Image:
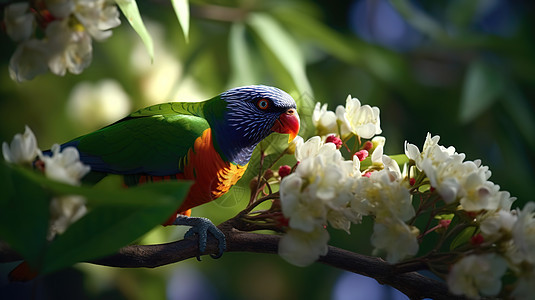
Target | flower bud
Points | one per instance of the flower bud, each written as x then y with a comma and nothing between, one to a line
444,223
368,145
284,171
361,155
335,140
477,239
268,174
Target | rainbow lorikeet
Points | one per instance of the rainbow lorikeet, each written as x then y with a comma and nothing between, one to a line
209,142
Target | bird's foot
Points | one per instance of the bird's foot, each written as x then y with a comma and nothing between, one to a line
201,227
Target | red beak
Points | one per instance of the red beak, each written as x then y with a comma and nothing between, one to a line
288,122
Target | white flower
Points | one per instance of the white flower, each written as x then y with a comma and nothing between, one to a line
383,196
475,274
501,200
342,217
317,185
310,148
303,248
95,105
97,17
316,194
377,155
23,148
524,233
363,121
477,192
66,44
497,225
456,179
396,238
70,49
64,211
305,212
64,165
341,121
19,22
324,120
431,150
29,60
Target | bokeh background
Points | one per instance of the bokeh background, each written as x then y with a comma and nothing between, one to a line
464,70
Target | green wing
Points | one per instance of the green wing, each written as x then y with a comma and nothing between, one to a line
153,141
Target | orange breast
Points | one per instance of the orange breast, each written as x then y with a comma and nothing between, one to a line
212,176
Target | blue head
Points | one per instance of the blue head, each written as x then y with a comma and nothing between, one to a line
252,113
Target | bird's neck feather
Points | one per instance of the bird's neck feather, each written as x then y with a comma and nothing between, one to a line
231,144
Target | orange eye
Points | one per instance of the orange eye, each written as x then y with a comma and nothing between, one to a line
262,104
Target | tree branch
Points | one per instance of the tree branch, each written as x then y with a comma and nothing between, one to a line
412,284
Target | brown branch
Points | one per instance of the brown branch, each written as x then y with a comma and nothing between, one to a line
412,284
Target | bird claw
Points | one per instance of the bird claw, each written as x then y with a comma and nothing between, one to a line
201,227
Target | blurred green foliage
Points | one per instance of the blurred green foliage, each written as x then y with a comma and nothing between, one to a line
464,70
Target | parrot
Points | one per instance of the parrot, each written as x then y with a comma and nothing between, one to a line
208,142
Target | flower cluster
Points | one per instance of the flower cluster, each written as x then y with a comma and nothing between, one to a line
510,235
57,164
456,179
326,189
56,35
505,238
316,193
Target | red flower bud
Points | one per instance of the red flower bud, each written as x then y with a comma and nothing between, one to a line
362,154
368,145
444,223
477,239
335,140
281,220
284,171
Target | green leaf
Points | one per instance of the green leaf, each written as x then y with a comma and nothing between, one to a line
305,108
23,214
94,196
462,238
483,85
240,58
400,159
182,13
131,12
318,34
445,217
116,216
283,46
106,229
419,19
